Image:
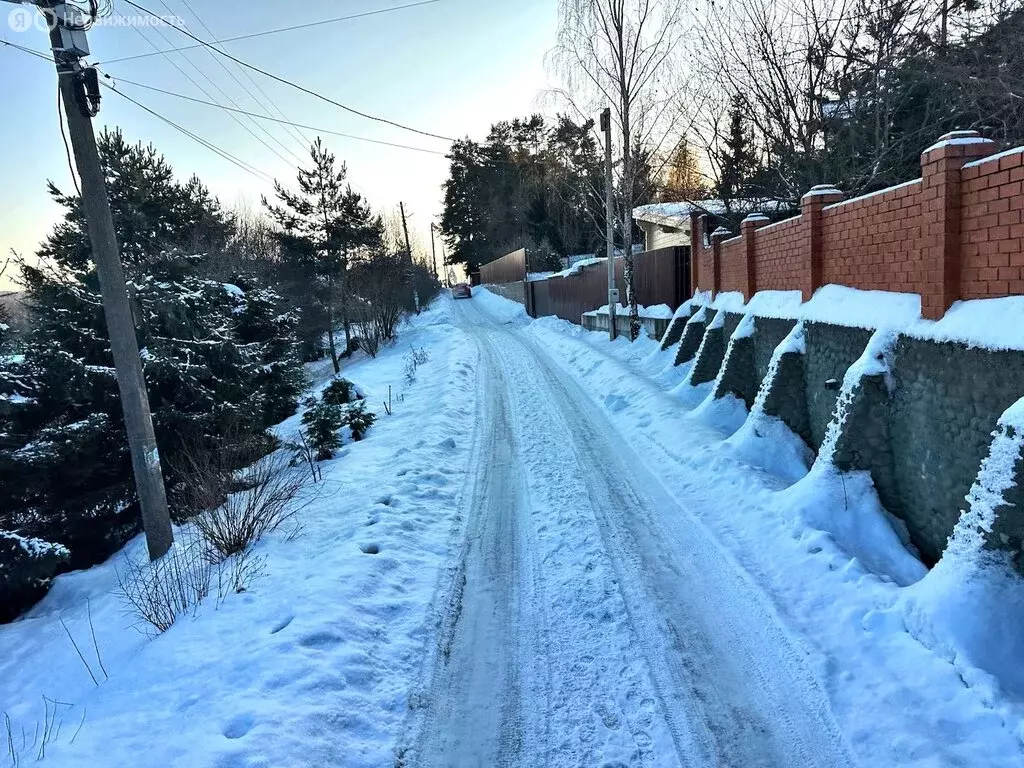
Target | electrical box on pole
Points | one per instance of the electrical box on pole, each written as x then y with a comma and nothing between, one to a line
71,25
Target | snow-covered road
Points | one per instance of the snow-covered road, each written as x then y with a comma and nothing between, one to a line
592,620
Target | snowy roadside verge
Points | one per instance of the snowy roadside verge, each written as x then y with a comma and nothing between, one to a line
310,666
898,701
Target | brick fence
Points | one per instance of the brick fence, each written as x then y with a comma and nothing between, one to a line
955,233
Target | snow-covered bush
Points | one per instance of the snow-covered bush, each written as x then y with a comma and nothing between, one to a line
323,423
26,568
360,419
339,392
413,361
156,593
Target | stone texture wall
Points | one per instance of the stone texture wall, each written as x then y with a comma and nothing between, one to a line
946,402
709,357
831,350
769,333
691,338
737,374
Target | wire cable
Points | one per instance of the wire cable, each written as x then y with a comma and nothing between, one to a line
292,84
276,31
117,79
261,175
67,147
209,95
38,54
292,133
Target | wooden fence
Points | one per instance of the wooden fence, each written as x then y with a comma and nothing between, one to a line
661,277
510,268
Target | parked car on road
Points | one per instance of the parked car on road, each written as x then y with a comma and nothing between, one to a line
462,291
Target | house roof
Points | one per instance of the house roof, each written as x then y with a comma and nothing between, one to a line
678,214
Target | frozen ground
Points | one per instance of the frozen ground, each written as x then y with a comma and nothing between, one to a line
573,569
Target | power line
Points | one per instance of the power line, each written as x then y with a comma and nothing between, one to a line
119,79
261,175
293,84
248,91
38,54
275,31
303,140
210,80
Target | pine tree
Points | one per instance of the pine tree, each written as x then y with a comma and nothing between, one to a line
312,223
218,359
737,161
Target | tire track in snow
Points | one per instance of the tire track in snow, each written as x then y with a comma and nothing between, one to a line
484,672
734,689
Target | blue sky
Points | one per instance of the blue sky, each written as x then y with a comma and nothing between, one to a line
451,67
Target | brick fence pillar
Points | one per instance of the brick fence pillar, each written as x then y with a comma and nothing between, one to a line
696,246
941,165
717,237
811,205
753,222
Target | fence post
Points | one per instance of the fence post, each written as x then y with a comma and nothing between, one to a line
717,237
941,166
811,206
748,226
696,226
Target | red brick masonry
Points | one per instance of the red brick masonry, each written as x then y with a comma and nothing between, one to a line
955,233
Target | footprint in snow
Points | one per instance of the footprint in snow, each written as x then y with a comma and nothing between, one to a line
448,444
281,624
239,726
615,403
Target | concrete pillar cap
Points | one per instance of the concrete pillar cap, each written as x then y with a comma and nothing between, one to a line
755,216
721,232
959,135
822,189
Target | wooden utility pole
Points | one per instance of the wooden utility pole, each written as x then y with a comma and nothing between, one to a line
408,251
609,217
433,253
124,346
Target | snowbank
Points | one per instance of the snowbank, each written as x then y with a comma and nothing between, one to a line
970,608
314,664
500,307
655,312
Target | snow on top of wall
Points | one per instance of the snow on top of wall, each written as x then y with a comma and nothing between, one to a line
534,276
684,309
730,301
841,305
576,267
994,158
717,321
654,312
959,141
996,324
778,304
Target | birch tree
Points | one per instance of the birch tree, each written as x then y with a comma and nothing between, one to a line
622,53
